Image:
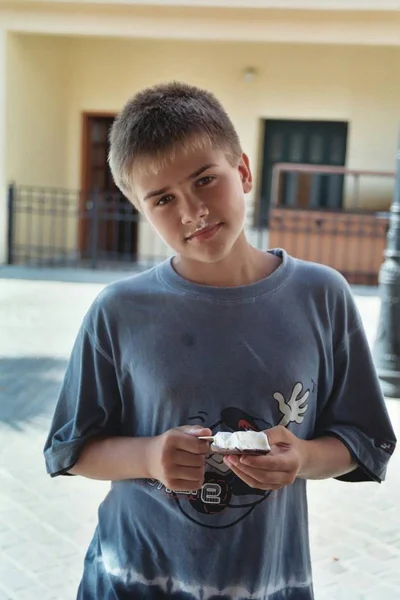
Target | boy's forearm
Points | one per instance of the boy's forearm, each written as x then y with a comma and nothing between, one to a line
114,458
326,457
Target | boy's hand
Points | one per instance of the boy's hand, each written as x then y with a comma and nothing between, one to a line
177,458
278,468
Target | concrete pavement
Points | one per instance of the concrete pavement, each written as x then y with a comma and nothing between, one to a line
46,524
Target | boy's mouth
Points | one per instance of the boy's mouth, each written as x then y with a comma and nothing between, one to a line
204,232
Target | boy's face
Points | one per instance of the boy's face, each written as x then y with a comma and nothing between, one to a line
196,203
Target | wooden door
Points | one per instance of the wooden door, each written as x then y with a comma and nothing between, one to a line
307,142
108,221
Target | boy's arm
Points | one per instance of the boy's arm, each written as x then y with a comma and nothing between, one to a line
114,458
176,458
291,458
324,458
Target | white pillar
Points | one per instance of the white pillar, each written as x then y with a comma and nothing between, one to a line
3,183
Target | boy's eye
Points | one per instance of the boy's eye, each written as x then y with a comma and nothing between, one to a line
164,200
204,180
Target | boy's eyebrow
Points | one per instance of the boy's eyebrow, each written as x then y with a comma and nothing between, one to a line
201,170
191,176
156,193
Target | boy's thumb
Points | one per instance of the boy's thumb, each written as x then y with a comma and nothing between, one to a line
277,435
197,430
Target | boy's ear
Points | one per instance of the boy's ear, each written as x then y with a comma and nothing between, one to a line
245,173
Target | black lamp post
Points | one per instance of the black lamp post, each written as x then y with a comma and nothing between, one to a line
387,345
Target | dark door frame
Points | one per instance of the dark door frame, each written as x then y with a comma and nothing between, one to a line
84,188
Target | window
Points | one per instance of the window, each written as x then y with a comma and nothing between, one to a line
307,142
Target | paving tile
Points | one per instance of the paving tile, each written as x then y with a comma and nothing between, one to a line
5,595
382,591
32,557
13,577
10,538
62,575
39,593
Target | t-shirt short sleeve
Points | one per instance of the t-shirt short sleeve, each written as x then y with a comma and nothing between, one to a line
355,411
89,404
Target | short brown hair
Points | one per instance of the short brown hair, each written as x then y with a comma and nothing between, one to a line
163,118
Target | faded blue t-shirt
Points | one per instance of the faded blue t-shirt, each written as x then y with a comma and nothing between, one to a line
156,351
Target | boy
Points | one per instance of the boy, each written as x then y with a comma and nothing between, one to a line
223,337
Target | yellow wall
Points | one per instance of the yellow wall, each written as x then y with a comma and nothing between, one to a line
36,134
37,109
51,81
347,83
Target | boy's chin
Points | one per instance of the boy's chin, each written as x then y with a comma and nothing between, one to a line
206,257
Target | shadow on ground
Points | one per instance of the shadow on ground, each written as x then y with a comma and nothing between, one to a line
29,388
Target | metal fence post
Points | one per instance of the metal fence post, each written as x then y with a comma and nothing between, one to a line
95,229
10,223
387,345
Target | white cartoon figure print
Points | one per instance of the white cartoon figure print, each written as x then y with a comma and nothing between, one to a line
293,409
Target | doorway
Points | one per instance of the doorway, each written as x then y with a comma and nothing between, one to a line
108,224
306,142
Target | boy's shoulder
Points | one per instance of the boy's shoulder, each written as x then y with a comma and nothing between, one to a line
143,282
319,278
322,287
119,298
326,290
317,275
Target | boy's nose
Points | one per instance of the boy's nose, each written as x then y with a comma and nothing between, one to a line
193,209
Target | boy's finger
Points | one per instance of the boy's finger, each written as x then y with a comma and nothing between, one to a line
190,443
243,471
189,459
262,480
187,473
200,431
251,481
266,463
182,485
196,430
279,435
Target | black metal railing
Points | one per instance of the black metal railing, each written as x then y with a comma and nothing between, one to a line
351,243
61,228
320,213
51,227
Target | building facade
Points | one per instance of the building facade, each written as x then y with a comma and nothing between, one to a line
306,82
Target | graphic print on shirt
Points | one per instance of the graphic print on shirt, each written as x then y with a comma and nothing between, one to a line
223,493
293,410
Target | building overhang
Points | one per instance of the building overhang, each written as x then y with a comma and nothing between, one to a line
197,20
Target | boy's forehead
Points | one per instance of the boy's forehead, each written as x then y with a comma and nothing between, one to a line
174,167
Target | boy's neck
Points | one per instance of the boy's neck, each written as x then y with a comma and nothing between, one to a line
243,266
